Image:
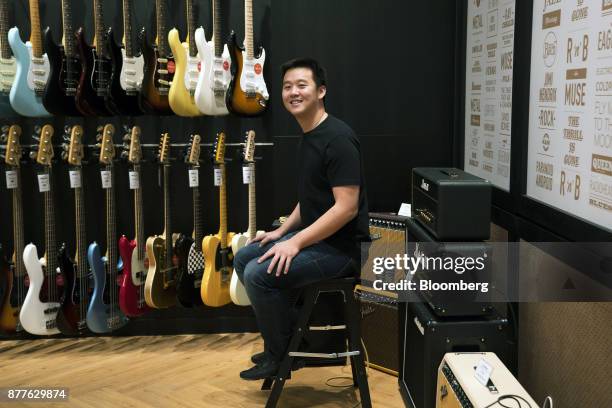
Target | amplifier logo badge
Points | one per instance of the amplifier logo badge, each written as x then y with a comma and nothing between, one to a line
424,185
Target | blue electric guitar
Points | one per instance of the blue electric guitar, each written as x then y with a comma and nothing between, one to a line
7,63
104,314
32,69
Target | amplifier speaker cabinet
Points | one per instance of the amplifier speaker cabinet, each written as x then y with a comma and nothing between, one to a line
426,338
452,204
459,388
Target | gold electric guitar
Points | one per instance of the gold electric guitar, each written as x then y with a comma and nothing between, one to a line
160,286
218,256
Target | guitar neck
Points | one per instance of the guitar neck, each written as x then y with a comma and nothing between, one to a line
248,29
139,216
167,216
35,36
127,28
217,28
100,30
223,208
81,235
5,49
111,225
197,219
162,31
50,239
252,231
18,236
68,39
191,28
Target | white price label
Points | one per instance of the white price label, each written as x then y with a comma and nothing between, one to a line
75,178
217,176
194,178
483,372
11,179
134,180
247,174
43,183
107,182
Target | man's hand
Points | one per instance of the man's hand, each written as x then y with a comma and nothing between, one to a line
266,237
282,253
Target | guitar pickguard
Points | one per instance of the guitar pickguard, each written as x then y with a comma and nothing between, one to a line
214,79
101,75
8,69
132,73
38,72
252,79
69,75
195,265
192,74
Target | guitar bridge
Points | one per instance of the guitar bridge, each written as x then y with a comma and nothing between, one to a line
51,310
51,324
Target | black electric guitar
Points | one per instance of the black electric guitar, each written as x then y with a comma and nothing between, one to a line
65,68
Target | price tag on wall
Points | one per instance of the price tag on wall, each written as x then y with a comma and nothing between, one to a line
75,178
43,183
106,179
217,176
134,180
11,179
247,174
194,178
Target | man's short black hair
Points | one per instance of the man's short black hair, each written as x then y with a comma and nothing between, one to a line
318,72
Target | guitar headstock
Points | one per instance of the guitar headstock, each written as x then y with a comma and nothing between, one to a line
73,148
105,141
11,136
249,147
43,154
193,152
164,149
132,147
219,150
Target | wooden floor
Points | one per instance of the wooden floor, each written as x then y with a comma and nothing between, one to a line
171,371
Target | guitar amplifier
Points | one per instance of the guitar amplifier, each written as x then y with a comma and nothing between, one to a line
426,338
459,388
452,204
388,233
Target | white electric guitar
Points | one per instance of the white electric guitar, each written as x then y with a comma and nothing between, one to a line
39,311
237,291
132,70
8,67
215,76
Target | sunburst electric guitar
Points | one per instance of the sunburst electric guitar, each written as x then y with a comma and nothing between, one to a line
188,250
133,254
237,291
104,314
249,94
8,67
39,311
160,286
188,65
217,249
32,69
15,290
215,76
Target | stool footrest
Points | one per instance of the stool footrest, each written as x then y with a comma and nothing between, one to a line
324,355
328,327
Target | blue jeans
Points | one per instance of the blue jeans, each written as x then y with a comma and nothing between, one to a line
271,296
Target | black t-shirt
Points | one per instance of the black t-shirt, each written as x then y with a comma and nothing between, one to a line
330,156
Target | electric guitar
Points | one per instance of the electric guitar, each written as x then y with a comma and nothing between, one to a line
133,254
159,67
128,69
16,287
188,250
8,67
39,310
160,286
32,69
104,314
218,256
93,91
215,76
237,291
187,61
65,68
249,94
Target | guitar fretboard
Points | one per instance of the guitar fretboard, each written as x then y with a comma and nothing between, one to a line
191,28
5,49
68,39
18,227
217,28
127,28
252,231
35,36
139,216
162,31
197,219
50,240
100,30
248,28
111,239
223,208
81,235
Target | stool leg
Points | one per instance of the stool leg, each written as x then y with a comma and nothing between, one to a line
294,344
351,312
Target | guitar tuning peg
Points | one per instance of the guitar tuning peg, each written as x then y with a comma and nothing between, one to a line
33,154
99,129
3,138
66,138
37,129
124,154
64,155
67,129
5,128
98,137
126,128
127,137
37,138
65,147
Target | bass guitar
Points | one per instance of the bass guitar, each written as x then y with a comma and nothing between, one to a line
237,291
248,94
189,251
71,318
215,76
32,69
187,60
133,254
218,256
16,287
8,67
104,314
39,310
159,67
65,68
160,286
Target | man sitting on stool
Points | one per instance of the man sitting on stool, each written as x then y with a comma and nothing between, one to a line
320,239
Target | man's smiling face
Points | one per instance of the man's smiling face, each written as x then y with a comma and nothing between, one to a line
300,93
